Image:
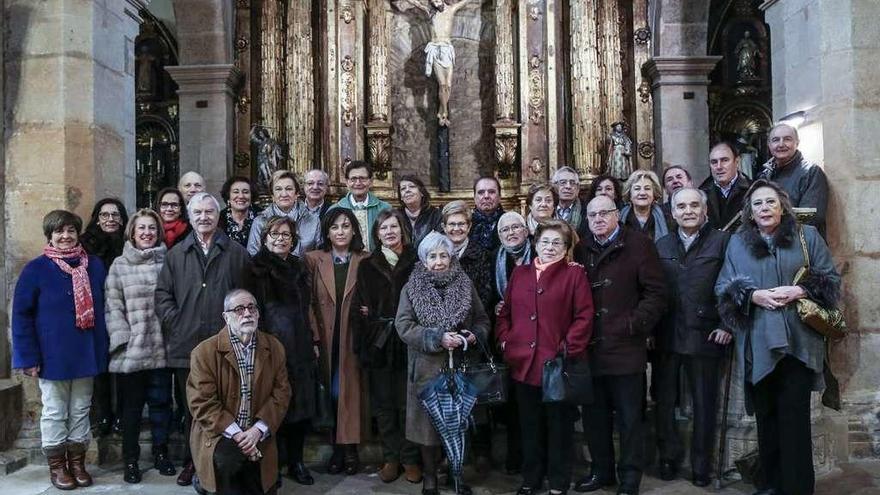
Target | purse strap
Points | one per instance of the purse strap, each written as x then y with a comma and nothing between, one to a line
804,247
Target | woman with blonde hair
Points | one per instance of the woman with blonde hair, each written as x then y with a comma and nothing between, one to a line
642,194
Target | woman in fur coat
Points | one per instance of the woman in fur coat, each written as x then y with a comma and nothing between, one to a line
781,357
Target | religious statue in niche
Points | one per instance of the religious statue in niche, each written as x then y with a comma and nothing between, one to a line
269,154
747,54
145,81
619,152
748,155
439,53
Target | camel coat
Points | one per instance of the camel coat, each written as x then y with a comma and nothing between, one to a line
212,392
349,414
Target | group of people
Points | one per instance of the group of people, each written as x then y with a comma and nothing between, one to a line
261,326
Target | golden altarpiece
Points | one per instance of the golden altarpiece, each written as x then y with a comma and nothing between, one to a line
537,84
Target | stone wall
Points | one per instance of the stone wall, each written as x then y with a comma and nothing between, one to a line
825,63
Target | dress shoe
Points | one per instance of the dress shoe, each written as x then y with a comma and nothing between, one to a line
592,483
300,473
526,490
412,473
701,480
132,473
390,471
186,474
668,470
59,475
76,464
337,461
352,461
161,461
558,492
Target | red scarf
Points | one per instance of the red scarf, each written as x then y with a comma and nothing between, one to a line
82,289
173,230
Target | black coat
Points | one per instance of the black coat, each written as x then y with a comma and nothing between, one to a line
428,221
282,289
478,264
378,288
691,314
722,210
629,295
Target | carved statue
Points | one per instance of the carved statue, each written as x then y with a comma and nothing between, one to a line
748,156
619,152
439,53
747,54
146,71
269,156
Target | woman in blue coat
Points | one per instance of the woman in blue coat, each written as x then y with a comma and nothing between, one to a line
59,337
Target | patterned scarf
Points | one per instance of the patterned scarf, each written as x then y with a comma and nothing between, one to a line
82,290
523,251
244,355
440,300
483,228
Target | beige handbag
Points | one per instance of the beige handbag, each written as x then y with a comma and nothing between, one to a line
828,322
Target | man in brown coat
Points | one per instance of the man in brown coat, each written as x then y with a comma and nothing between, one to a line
629,295
238,393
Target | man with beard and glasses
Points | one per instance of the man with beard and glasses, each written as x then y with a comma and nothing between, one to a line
197,274
238,393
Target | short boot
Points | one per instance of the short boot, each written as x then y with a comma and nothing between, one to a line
161,461
390,471
412,473
76,463
59,475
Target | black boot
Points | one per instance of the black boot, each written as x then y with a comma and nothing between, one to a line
161,461
300,473
132,472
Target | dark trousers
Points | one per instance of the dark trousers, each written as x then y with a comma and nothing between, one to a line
291,442
617,396
702,379
180,377
782,411
234,473
151,387
388,402
547,438
102,398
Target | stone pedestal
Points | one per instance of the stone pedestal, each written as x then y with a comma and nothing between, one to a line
825,64
207,112
681,112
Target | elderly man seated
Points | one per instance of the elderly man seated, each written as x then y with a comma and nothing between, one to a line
238,394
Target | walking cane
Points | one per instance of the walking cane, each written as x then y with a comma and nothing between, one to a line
722,443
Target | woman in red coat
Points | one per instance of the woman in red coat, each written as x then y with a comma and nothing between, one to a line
548,308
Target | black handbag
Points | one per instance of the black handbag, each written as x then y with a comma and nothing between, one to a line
567,380
490,378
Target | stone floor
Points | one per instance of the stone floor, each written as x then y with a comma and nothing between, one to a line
856,478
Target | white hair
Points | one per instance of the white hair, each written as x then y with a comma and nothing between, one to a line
433,241
232,294
564,170
703,198
509,215
324,176
198,198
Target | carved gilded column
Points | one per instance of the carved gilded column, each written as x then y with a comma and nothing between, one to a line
350,46
611,60
378,129
506,125
300,101
272,67
533,55
586,104
643,134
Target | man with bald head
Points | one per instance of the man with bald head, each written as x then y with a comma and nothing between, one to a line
690,336
629,295
803,180
189,184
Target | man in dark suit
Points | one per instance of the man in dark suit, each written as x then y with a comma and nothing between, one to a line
725,188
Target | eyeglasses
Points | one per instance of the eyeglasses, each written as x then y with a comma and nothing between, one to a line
358,179
283,235
511,228
566,182
555,244
457,225
600,213
172,206
105,215
240,309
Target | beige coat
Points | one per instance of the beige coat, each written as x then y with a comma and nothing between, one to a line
212,392
350,416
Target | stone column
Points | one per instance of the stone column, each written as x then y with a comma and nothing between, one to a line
681,111
207,111
69,115
825,64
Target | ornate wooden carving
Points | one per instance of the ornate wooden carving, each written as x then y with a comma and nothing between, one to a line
347,90
611,58
300,103
536,89
378,61
587,132
272,67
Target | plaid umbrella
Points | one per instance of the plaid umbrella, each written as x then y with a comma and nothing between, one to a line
448,399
